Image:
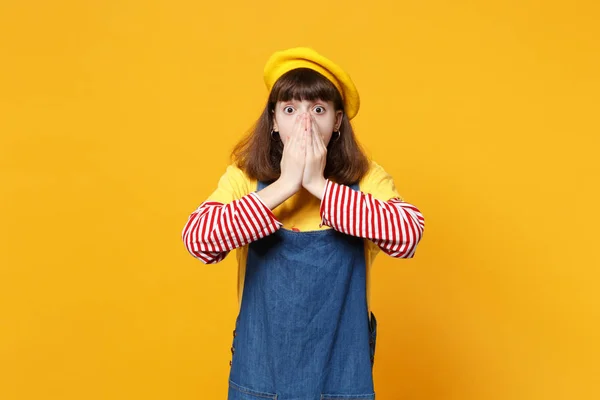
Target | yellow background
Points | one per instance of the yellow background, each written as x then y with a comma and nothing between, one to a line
116,121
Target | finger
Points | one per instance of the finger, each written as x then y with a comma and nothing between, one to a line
304,144
295,142
302,127
309,139
314,125
299,127
313,120
300,148
322,149
297,146
313,135
295,124
299,137
306,125
316,135
318,140
290,141
322,145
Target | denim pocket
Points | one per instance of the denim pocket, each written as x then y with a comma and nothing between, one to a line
366,396
372,336
239,392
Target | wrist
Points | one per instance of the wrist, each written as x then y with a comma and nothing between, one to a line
317,188
285,188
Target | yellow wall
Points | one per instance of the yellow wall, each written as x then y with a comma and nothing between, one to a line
116,121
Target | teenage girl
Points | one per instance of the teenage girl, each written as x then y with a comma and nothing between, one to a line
307,212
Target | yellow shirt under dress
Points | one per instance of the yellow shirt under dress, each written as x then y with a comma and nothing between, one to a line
302,211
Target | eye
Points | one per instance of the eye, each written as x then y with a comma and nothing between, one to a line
319,109
288,109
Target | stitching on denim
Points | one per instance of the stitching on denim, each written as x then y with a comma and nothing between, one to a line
366,396
251,392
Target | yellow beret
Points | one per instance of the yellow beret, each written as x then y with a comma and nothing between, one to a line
304,57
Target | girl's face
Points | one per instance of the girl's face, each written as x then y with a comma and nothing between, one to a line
328,120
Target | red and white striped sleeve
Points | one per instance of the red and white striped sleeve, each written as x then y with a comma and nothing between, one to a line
394,225
214,229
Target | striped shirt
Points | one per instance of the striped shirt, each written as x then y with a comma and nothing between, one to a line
234,216
214,229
